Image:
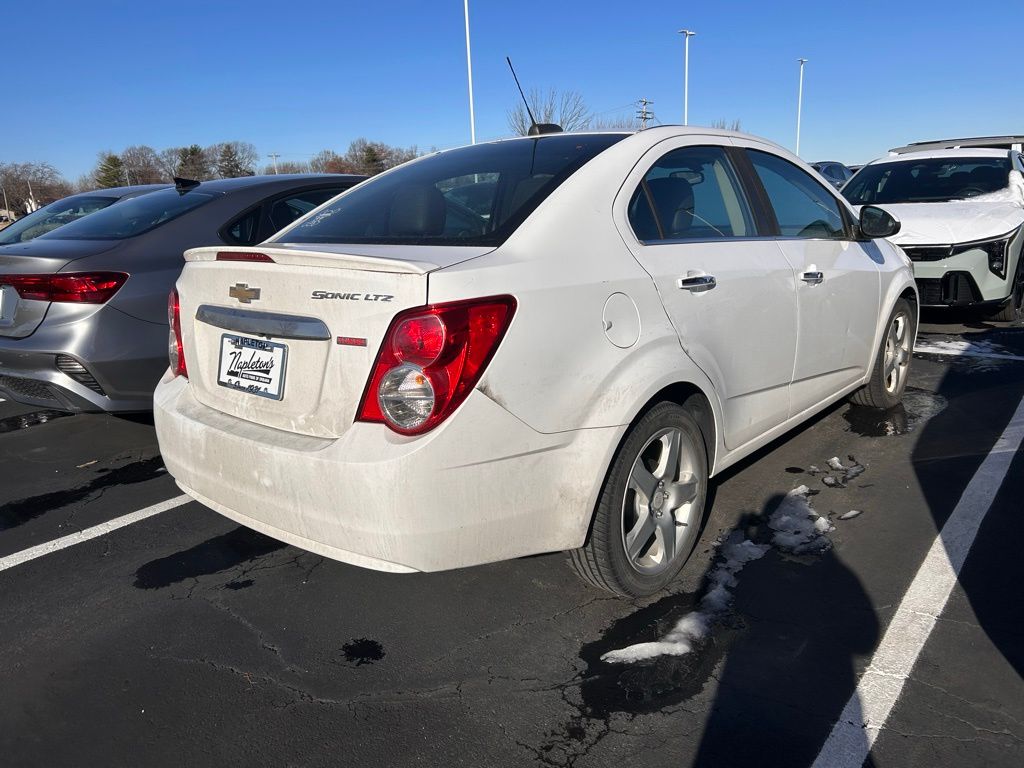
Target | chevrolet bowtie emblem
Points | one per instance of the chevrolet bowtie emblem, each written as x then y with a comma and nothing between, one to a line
244,293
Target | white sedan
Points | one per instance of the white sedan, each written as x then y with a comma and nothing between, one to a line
538,344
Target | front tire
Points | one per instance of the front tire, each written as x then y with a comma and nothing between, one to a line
651,506
884,389
1011,310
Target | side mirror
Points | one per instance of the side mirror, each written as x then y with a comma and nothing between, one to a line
877,222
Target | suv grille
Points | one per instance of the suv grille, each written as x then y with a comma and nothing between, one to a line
952,289
928,252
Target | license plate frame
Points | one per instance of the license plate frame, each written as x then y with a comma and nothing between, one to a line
249,374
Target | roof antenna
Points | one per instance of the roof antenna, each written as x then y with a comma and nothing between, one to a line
536,129
184,185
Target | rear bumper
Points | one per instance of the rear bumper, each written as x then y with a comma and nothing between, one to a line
123,358
482,487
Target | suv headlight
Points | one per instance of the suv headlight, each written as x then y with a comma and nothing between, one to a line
997,249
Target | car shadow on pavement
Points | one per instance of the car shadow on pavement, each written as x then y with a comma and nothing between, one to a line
792,666
983,398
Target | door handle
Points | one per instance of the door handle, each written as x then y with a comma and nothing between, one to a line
697,283
813,277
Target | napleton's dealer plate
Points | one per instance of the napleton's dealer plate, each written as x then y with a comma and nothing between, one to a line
252,365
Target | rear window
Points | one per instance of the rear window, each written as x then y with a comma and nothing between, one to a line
935,180
132,217
475,195
52,216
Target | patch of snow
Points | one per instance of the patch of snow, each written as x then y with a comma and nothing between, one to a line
850,515
1012,193
798,529
734,553
984,349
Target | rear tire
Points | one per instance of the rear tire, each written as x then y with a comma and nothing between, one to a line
889,374
651,506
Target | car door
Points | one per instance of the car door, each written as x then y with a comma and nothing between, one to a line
729,293
837,279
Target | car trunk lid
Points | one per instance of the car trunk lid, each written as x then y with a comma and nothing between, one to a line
316,315
19,317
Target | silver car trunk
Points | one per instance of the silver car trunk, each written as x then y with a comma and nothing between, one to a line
329,308
20,317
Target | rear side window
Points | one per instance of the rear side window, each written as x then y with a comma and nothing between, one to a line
803,207
132,217
475,195
53,216
284,212
690,194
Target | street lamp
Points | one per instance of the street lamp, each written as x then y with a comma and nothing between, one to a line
687,34
469,68
799,104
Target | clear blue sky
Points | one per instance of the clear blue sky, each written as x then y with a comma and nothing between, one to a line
302,76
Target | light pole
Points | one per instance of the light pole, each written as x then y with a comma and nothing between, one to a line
687,34
469,68
799,104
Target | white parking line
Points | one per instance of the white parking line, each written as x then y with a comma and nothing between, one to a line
90,533
867,710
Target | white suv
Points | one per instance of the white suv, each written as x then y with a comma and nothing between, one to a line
961,211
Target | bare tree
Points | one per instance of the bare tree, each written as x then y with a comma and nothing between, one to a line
25,182
566,108
287,166
733,126
329,161
622,123
141,165
167,159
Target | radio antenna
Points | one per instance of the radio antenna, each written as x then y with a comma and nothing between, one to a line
536,129
526,104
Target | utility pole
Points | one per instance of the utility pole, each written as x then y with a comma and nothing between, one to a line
643,115
688,33
799,104
469,68
127,180
274,156
7,206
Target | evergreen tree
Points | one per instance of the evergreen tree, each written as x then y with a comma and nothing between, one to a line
110,171
229,164
192,163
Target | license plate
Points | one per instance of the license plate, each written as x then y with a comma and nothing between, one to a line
252,365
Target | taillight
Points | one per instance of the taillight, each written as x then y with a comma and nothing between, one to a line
72,287
431,359
175,351
243,256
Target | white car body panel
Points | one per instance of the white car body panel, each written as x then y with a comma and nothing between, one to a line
599,331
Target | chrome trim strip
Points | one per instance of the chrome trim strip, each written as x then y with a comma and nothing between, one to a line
268,324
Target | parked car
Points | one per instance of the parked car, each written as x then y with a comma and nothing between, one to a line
69,209
83,309
962,212
394,386
835,173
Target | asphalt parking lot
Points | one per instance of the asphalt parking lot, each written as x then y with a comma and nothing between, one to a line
183,639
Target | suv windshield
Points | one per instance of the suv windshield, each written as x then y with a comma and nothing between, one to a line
52,216
475,195
935,180
132,217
